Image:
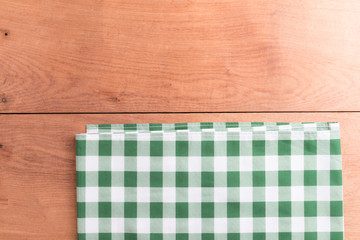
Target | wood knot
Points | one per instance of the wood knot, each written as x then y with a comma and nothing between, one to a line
5,32
115,99
1,145
4,100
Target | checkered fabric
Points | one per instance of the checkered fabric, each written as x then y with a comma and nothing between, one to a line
210,181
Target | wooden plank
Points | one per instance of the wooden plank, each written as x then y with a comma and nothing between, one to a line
37,164
179,56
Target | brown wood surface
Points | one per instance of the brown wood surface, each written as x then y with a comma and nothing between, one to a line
37,164
179,56
136,56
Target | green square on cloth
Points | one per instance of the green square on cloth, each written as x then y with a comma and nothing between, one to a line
210,181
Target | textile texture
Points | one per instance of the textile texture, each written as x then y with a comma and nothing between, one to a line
210,181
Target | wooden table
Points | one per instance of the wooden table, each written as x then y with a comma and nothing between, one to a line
65,64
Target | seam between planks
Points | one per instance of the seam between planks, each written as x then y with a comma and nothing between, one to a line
215,112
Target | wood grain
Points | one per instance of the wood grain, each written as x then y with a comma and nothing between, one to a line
37,164
179,56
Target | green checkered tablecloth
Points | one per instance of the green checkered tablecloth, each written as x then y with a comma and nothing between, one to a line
210,181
